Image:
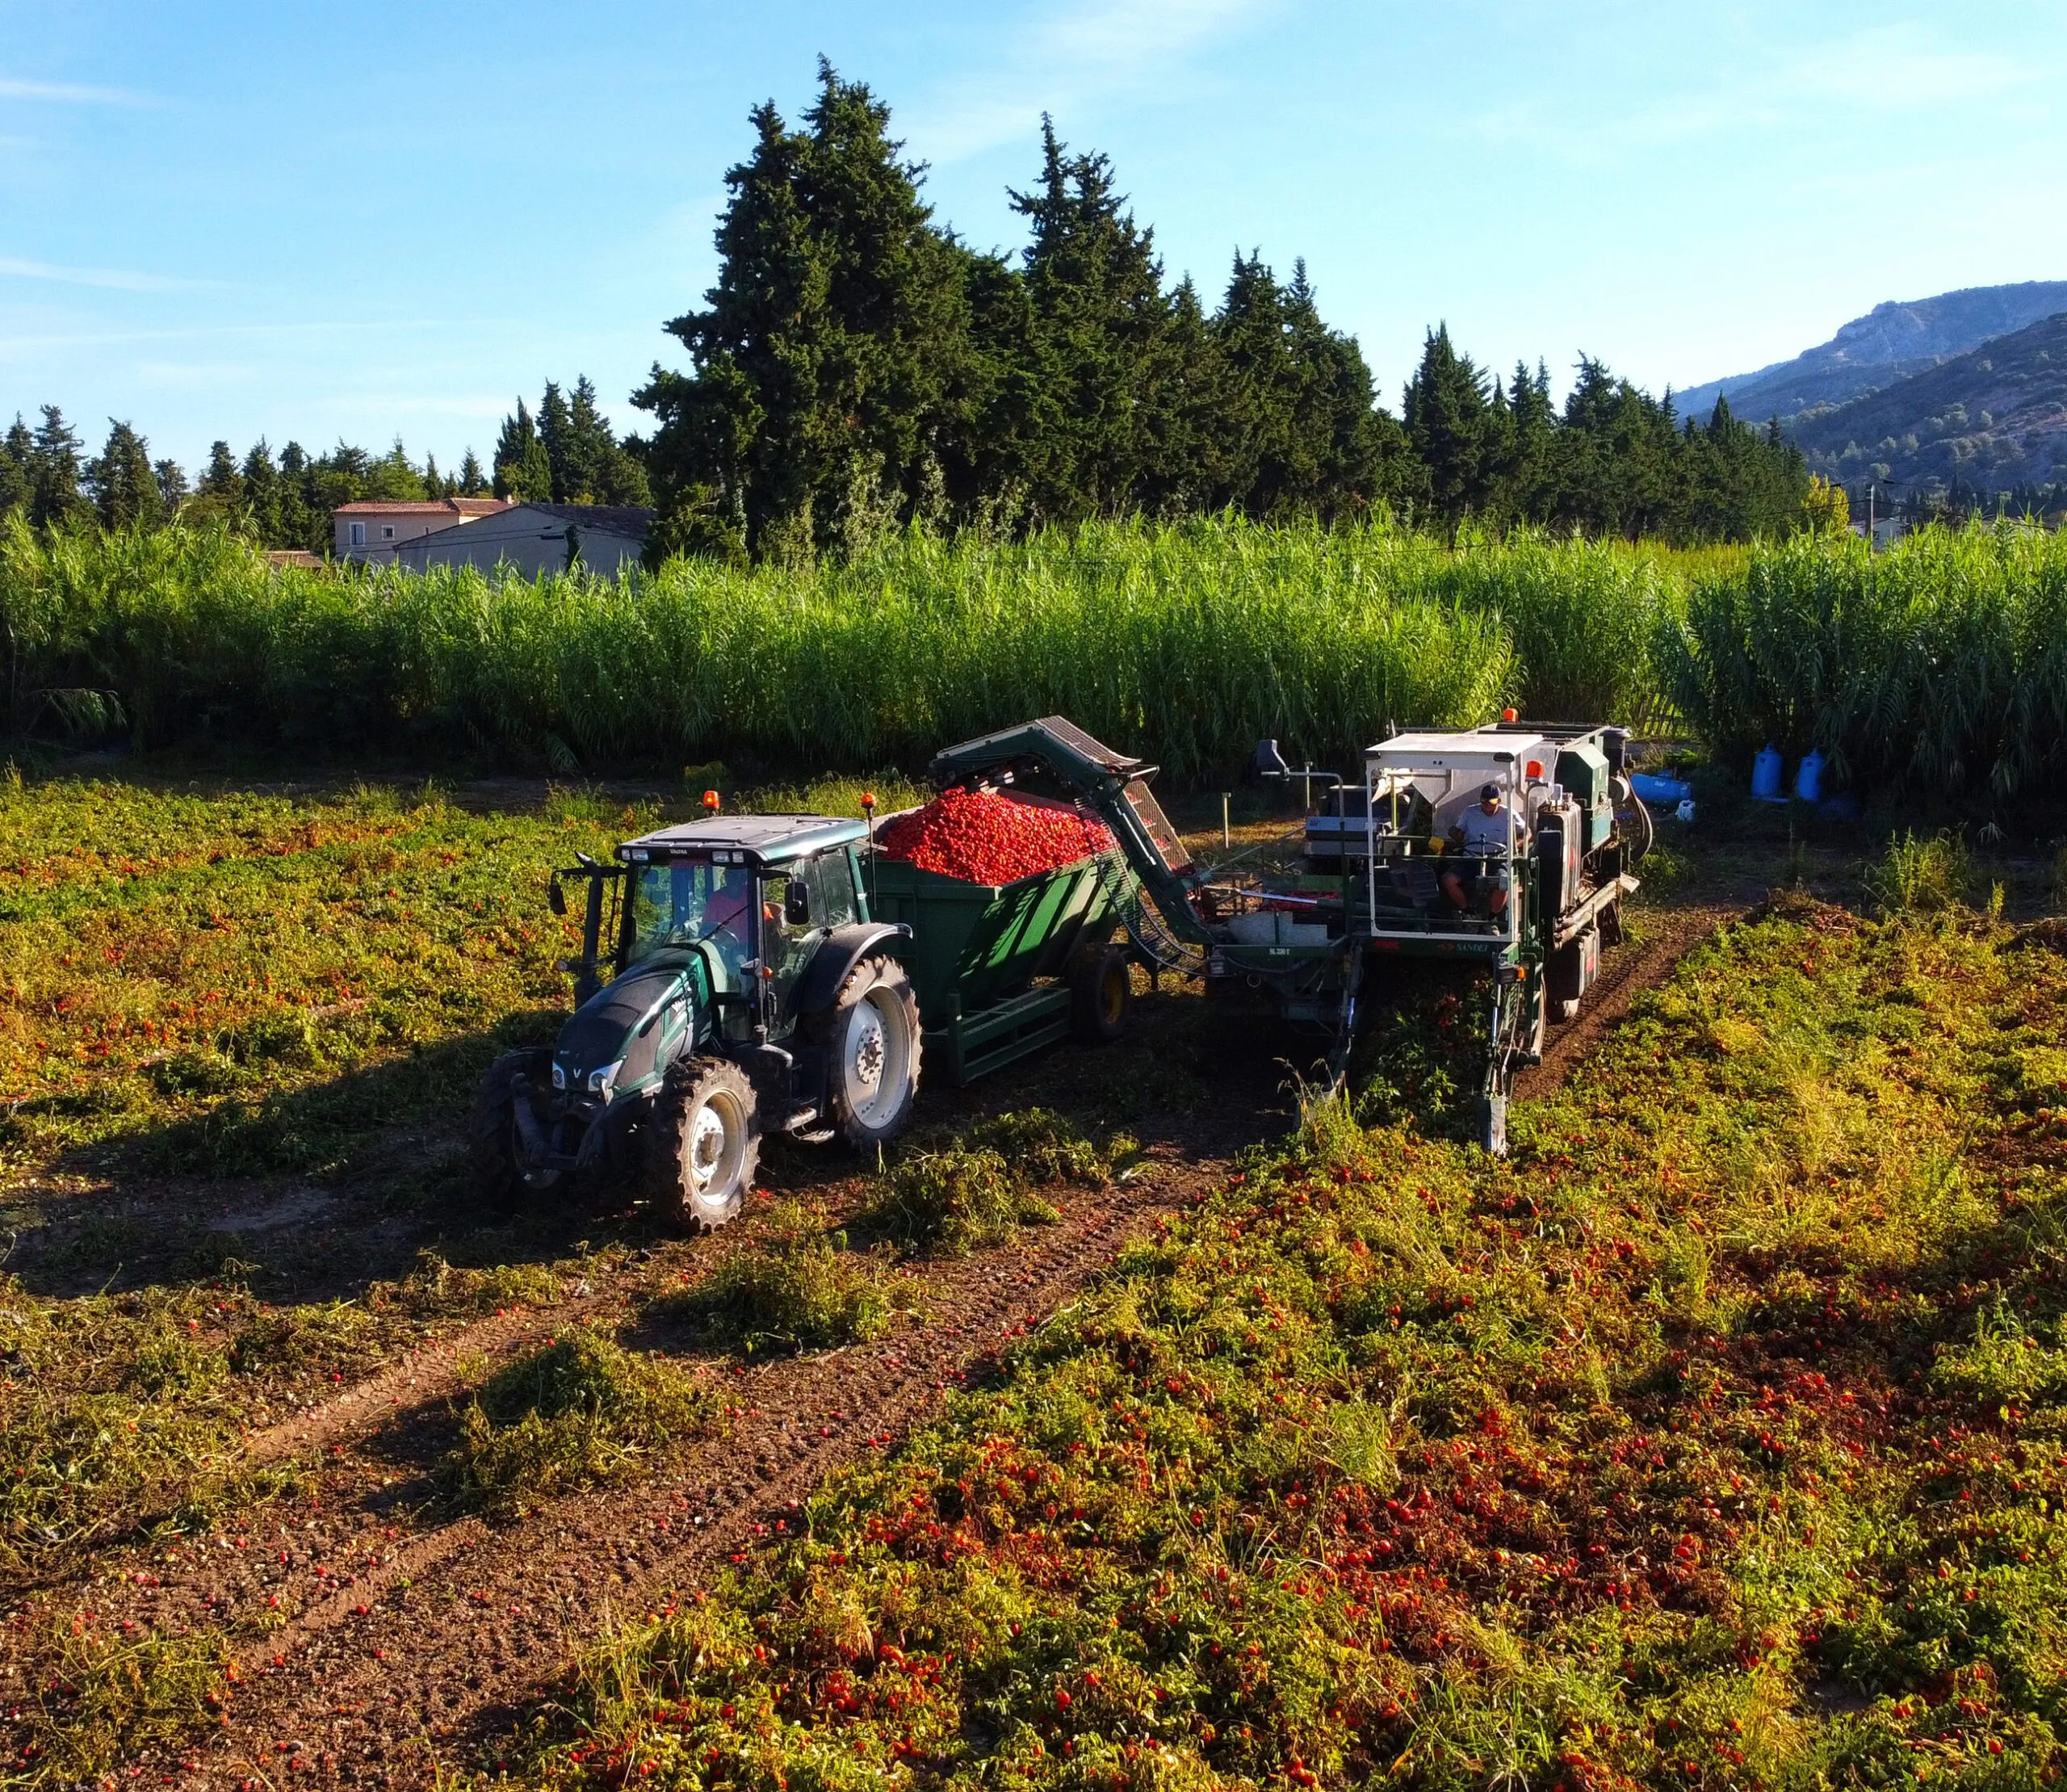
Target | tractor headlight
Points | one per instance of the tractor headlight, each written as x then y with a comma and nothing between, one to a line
558,1075
601,1081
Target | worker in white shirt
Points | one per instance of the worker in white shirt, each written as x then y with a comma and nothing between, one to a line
1482,836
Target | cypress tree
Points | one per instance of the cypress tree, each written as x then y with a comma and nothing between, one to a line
831,362
556,431
523,470
1102,338
303,522
264,489
55,500
17,469
173,490
1447,423
124,489
221,482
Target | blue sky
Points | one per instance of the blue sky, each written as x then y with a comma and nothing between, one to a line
322,222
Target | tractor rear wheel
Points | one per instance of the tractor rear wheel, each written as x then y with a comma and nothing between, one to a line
871,1034
703,1143
502,1167
1101,994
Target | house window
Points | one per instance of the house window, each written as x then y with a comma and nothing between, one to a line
357,535
387,532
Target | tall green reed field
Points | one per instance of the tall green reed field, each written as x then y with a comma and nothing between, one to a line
1189,641
1939,664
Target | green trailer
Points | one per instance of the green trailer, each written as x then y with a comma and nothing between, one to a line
1003,970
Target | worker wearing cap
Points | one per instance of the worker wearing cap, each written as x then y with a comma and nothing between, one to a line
1484,832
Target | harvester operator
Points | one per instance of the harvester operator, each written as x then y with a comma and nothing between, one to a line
1483,835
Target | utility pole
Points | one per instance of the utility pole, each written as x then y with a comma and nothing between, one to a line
1869,515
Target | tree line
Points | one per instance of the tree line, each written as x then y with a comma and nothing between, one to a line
567,453
858,369
857,366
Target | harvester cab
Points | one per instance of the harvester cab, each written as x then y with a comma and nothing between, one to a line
750,993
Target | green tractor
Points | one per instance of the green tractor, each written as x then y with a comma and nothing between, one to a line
750,993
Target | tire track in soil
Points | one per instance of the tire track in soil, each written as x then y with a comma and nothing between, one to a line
428,1658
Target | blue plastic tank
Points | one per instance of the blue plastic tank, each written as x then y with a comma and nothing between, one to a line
1766,775
1808,778
1664,792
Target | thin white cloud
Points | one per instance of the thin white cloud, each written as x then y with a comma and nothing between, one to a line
1089,51
1888,69
120,279
68,93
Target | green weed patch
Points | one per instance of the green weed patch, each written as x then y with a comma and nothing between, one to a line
800,1289
954,1196
581,1412
1715,1439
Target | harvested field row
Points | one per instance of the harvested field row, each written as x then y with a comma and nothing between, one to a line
1714,1440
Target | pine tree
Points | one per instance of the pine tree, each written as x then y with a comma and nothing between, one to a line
472,481
1103,329
522,469
832,360
173,489
264,489
55,499
556,431
1447,422
393,477
124,488
17,469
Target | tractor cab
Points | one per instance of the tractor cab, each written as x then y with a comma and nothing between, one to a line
761,892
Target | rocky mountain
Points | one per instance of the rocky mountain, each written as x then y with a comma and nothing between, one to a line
1993,418
1893,342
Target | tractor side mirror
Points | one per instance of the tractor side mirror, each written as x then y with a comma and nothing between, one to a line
555,897
1270,762
796,904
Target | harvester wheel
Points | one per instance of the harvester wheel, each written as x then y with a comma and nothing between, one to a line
1101,994
501,1166
871,1032
703,1143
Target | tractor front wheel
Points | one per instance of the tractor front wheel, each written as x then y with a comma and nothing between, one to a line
502,1165
703,1143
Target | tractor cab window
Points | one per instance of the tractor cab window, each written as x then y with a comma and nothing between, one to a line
830,878
688,900
791,926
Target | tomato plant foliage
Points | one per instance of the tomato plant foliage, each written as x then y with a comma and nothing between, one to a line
1715,1439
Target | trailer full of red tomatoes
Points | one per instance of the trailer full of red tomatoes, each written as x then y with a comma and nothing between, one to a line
981,837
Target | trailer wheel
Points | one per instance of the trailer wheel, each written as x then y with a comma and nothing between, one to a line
703,1143
872,1034
1101,994
502,1168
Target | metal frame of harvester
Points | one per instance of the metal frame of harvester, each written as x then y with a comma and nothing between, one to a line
1304,946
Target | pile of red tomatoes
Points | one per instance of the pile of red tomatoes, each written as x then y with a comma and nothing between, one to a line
982,837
